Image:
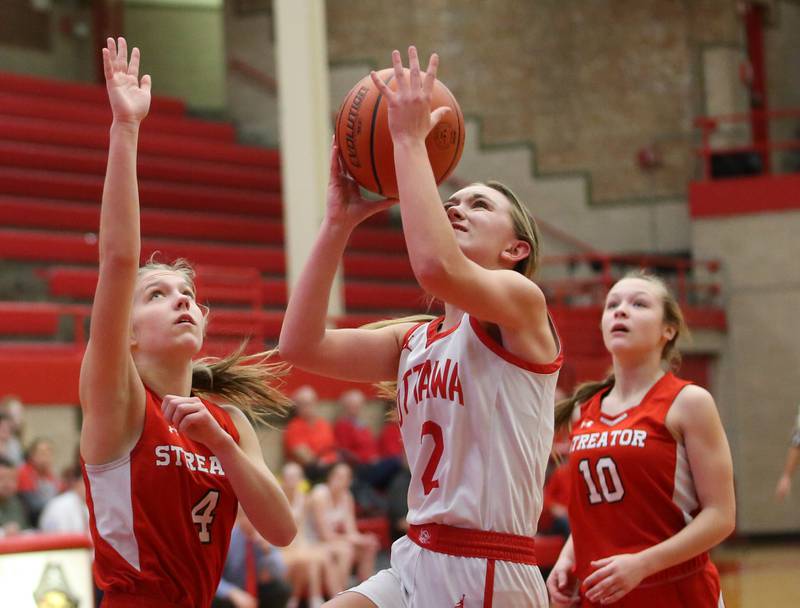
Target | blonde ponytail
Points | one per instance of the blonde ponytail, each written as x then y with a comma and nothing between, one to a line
246,381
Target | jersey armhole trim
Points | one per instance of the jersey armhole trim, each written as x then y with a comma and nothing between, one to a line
537,368
410,333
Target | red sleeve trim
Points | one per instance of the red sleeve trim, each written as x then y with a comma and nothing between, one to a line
537,368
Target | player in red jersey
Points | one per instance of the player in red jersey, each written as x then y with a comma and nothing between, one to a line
164,469
652,480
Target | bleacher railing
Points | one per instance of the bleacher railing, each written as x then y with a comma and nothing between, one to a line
730,138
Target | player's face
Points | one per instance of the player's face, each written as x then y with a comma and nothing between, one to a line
481,219
633,318
165,315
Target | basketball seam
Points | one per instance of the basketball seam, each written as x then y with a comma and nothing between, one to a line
372,137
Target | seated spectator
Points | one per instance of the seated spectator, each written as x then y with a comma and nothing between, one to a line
333,519
308,439
307,561
390,441
67,512
254,572
38,482
10,447
13,516
11,406
397,502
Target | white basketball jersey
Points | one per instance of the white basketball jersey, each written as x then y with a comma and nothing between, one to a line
477,426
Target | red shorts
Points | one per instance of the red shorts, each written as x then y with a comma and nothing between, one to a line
698,590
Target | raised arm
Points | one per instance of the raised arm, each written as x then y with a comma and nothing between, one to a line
500,296
111,393
353,354
694,417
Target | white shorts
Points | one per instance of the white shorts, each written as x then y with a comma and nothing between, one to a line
419,578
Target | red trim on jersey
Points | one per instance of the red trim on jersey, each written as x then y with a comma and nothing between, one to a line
679,571
465,542
409,333
488,588
497,349
434,333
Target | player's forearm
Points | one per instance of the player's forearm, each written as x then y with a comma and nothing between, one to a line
431,244
119,212
711,526
259,493
304,321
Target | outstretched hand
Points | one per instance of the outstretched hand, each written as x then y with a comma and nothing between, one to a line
345,204
410,116
129,98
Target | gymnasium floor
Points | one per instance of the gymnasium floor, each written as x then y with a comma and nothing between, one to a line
760,574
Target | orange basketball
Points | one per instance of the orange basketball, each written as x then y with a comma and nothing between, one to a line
365,144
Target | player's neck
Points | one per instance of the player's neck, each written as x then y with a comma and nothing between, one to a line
633,378
165,377
452,317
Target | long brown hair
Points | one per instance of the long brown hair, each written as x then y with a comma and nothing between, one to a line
673,317
525,228
246,381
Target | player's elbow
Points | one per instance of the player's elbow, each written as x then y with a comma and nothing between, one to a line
284,535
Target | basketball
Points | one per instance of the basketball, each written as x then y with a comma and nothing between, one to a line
365,143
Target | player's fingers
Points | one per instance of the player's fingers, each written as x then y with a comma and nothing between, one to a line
413,67
430,74
438,114
168,405
146,83
399,74
122,54
596,577
108,70
133,66
382,87
189,421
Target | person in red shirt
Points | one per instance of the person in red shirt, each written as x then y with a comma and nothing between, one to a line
308,439
390,440
358,446
165,468
651,472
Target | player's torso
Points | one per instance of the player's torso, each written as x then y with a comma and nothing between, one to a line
162,516
477,427
630,481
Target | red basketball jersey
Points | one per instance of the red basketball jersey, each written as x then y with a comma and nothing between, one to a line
161,517
631,486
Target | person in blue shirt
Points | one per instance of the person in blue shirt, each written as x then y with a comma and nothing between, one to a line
254,572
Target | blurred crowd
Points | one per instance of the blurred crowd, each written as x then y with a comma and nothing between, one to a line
346,483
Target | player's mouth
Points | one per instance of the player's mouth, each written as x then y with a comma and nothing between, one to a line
185,318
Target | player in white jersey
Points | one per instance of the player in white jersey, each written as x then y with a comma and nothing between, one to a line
475,387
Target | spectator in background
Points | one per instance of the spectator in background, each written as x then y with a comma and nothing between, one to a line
38,482
333,519
308,561
357,446
390,440
308,439
13,516
10,447
67,512
254,572
397,502
792,460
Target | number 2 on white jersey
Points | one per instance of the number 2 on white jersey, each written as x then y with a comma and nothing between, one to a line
435,431
203,515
